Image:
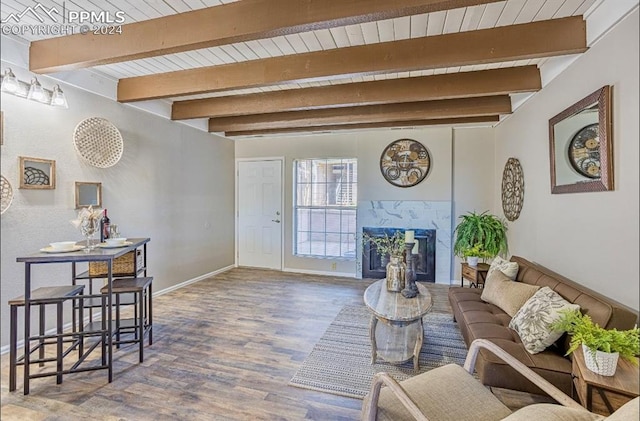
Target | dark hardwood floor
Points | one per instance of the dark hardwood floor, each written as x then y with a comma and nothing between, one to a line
224,349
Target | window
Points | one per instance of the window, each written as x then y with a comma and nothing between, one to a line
326,194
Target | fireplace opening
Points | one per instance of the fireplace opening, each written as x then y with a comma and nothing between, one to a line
374,264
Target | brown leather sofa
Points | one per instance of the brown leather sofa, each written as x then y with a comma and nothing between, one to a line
480,320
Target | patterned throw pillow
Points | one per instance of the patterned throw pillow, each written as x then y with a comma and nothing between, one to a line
534,319
510,269
505,293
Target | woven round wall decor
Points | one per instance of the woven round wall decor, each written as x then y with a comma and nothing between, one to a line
98,142
7,193
512,189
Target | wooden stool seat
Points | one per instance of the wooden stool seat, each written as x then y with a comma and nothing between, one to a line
49,294
124,285
142,322
40,297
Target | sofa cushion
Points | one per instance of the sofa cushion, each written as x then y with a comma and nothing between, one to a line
510,269
534,319
505,293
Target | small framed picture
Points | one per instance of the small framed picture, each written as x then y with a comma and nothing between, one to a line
37,173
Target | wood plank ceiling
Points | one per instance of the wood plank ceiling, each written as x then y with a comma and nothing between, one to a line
256,67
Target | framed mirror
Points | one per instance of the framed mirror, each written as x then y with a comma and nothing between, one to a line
580,145
37,173
88,194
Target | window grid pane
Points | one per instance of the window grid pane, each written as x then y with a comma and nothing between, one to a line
325,207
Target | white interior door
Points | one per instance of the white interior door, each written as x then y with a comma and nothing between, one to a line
260,214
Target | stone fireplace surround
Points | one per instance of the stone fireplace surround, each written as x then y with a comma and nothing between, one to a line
410,214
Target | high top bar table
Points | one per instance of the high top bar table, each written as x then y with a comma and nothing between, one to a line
106,255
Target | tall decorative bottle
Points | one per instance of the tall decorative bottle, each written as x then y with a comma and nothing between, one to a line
104,227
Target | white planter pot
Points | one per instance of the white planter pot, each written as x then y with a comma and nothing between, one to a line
603,363
472,261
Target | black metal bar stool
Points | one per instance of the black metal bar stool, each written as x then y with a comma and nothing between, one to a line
40,298
142,322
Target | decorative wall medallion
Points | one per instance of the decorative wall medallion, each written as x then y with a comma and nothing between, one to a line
98,142
405,163
7,193
584,151
512,189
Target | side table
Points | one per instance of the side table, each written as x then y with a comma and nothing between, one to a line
612,391
475,275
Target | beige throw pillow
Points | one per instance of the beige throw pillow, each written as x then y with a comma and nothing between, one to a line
510,269
533,321
505,293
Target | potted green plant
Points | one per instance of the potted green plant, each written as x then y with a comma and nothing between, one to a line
480,235
601,347
474,253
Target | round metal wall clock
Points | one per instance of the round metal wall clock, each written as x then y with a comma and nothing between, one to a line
584,151
512,189
405,163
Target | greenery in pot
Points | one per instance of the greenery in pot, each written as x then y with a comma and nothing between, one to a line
391,245
584,331
483,233
476,251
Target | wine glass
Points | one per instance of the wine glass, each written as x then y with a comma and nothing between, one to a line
88,228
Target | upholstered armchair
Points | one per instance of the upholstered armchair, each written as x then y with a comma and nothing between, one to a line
451,393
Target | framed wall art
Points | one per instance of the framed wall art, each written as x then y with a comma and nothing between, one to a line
580,145
37,173
88,194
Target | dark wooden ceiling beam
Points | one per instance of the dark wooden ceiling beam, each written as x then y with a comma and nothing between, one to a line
364,126
425,88
204,28
506,43
448,108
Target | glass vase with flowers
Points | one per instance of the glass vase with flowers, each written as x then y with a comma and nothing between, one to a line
393,247
88,222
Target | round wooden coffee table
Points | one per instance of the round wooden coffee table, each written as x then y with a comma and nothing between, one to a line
400,335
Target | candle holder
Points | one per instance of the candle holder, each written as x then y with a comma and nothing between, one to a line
410,290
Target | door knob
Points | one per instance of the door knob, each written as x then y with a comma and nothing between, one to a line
277,221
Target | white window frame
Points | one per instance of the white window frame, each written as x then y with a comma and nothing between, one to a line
296,207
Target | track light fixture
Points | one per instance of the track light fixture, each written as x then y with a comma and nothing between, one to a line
33,91
57,98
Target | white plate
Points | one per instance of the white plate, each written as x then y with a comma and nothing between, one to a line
51,250
107,246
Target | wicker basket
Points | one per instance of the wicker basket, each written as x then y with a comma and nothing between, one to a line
124,265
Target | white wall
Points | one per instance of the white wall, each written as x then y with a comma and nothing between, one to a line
591,238
474,178
173,184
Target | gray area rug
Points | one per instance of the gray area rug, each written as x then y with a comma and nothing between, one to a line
340,363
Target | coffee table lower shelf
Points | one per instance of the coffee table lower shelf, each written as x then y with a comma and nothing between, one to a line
396,343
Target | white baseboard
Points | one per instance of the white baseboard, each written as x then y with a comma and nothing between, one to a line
193,280
320,272
97,315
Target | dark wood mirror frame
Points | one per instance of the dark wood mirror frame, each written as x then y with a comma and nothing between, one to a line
602,99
